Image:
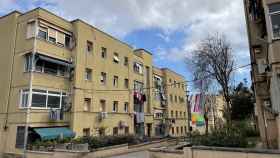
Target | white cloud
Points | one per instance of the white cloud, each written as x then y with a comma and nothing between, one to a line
196,18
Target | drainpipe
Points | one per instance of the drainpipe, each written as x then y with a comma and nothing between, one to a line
30,92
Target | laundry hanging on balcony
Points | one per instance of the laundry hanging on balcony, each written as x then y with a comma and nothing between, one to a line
139,98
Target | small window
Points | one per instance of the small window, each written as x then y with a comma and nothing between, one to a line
24,98
86,132
170,81
115,81
182,129
184,114
20,137
176,114
126,107
67,40
102,105
172,129
181,113
43,33
30,29
88,74
87,104
115,106
103,52
125,61
174,84
171,98
177,130
103,78
126,83
171,113
185,129
89,46
138,68
275,19
175,98
115,131
116,58
52,35
126,130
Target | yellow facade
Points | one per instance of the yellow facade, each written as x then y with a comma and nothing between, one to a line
82,69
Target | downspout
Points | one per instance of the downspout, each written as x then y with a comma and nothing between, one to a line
30,91
11,79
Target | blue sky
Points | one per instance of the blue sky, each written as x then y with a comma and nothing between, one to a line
168,29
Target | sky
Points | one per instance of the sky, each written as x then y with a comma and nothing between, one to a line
170,29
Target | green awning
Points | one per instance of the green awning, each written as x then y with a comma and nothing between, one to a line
54,133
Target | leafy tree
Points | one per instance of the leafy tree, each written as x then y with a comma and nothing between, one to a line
242,103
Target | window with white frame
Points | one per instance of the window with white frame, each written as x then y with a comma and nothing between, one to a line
138,68
115,81
116,58
43,99
115,106
103,78
87,104
126,107
88,74
274,14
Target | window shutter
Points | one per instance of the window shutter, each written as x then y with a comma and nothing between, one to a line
52,33
60,38
30,29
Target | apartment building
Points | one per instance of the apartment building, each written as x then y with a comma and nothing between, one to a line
263,25
69,79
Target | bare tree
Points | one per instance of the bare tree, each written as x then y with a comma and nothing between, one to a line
213,60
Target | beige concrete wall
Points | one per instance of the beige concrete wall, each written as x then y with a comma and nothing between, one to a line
189,152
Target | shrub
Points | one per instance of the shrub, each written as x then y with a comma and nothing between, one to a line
223,137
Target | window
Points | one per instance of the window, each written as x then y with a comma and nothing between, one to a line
184,114
102,105
182,129
138,68
138,86
89,46
67,40
116,58
60,38
275,19
86,132
177,130
170,81
115,81
115,131
125,61
20,137
88,73
126,130
171,98
53,99
126,83
52,35
183,86
185,129
30,29
181,113
103,78
87,104
43,33
115,106
174,84
175,98
171,113
176,114
43,99
103,52
172,129
126,107
24,98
